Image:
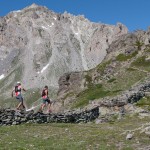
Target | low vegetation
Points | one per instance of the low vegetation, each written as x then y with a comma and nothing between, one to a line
93,92
124,57
101,67
144,102
142,62
106,136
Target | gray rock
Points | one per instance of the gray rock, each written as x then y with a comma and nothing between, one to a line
129,136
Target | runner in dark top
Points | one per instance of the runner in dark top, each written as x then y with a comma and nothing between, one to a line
17,90
45,99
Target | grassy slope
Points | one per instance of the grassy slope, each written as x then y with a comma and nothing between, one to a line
130,70
107,136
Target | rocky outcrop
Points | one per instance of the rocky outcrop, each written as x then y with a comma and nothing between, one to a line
11,117
70,82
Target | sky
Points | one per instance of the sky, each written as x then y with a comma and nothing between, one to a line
135,14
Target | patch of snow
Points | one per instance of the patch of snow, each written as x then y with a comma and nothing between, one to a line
17,11
49,26
44,27
76,33
15,15
2,76
38,72
55,18
44,68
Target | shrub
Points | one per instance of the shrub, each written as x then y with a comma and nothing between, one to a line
88,78
139,44
123,57
141,62
101,67
111,80
131,69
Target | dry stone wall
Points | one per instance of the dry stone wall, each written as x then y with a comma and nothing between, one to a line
12,117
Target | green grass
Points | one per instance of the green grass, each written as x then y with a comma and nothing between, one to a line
124,80
130,69
123,57
111,80
142,63
93,92
88,78
144,102
104,136
102,66
139,44
147,50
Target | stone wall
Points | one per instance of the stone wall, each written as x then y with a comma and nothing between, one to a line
12,117
130,96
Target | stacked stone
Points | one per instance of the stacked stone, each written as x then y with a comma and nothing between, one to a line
11,117
130,96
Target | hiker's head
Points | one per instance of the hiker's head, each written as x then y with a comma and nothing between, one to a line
46,87
18,83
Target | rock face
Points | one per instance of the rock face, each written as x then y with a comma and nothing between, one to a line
37,46
11,117
70,82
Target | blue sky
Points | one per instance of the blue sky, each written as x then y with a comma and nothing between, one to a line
135,14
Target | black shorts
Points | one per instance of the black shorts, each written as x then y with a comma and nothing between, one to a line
46,100
19,98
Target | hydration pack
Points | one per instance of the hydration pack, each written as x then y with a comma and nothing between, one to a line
43,92
16,88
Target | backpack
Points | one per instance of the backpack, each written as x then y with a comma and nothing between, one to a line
16,88
43,93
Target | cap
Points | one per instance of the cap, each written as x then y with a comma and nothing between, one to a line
18,82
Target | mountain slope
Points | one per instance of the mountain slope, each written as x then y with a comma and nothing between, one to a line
125,69
37,46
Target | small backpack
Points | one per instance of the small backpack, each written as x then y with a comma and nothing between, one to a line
43,93
16,88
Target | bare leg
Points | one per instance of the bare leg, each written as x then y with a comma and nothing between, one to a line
42,107
23,105
19,105
49,106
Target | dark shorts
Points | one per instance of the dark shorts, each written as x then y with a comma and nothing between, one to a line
46,100
19,98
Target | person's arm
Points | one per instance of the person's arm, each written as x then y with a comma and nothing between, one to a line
46,92
24,89
12,94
